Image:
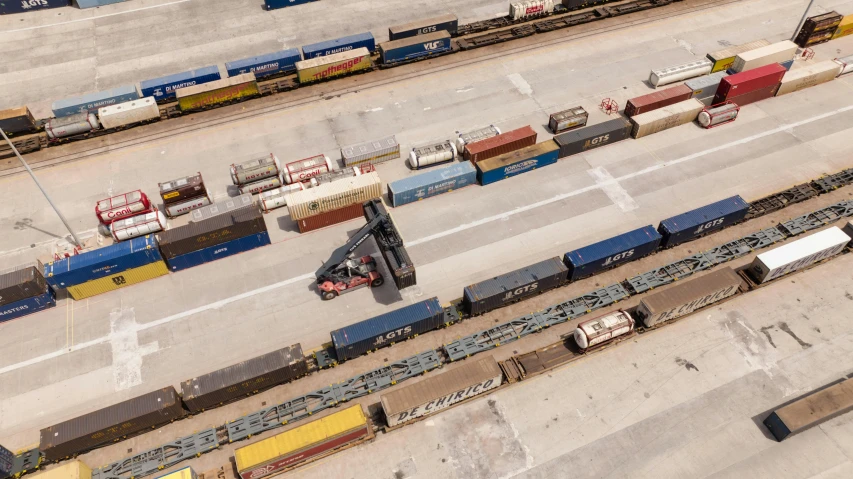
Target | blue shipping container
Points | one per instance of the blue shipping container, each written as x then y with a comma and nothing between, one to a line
164,88
414,47
7,461
102,262
788,64
222,250
27,306
611,252
359,338
95,3
517,162
702,221
266,65
431,183
514,286
342,44
91,102
20,6
274,4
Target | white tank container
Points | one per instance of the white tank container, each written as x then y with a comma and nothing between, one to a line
185,207
307,168
530,8
665,76
474,136
808,76
778,52
846,64
432,154
122,206
599,330
798,255
254,170
277,198
128,113
71,125
263,185
333,175
140,225
714,116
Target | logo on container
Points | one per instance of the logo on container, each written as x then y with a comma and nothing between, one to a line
620,256
709,225
519,166
340,67
536,9
263,68
596,141
519,291
27,4
308,174
14,310
432,45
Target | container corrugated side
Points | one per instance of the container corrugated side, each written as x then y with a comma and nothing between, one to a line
7,459
774,53
218,251
723,59
702,220
374,151
217,92
318,437
447,22
415,47
184,473
70,470
22,6
283,61
441,391
431,183
685,297
211,232
517,162
102,262
401,266
808,76
498,145
798,255
658,99
844,28
330,66
164,88
514,286
329,218
339,45
611,252
665,118
21,283
333,196
706,86
17,120
91,102
128,113
816,408
27,306
749,81
118,280
594,136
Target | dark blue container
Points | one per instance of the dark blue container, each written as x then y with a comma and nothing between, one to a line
223,250
611,252
448,23
517,162
90,103
702,221
338,45
266,65
20,6
27,306
164,88
359,338
514,286
95,3
7,461
414,47
273,4
102,262
431,183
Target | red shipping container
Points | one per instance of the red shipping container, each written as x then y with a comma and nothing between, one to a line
330,218
754,96
749,81
500,144
658,99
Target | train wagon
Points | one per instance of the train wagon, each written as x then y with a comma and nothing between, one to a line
612,252
217,93
335,65
262,66
684,298
90,103
702,221
164,88
811,410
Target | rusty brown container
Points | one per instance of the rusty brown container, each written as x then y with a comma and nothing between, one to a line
498,145
182,189
219,229
330,218
21,284
658,99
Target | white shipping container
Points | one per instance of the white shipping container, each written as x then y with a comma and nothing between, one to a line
810,75
128,113
375,151
333,196
530,8
277,198
140,225
667,117
732,52
665,76
798,255
846,64
778,52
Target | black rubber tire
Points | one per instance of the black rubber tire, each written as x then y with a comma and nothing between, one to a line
377,282
329,295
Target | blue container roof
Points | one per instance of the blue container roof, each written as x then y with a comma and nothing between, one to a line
177,77
706,213
93,97
432,177
603,249
370,328
514,279
99,255
328,44
247,62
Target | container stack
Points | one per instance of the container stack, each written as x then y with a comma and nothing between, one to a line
818,29
257,175
184,195
750,86
332,203
780,52
24,291
704,88
725,58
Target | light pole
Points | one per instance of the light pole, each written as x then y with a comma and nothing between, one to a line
33,176
802,20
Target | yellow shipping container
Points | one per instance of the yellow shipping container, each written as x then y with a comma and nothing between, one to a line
185,473
336,64
71,470
217,92
724,59
118,280
844,28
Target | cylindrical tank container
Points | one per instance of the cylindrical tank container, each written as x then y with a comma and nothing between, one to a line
717,115
475,136
66,126
846,64
121,206
255,170
184,207
307,168
432,154
333,175
259,186
182,189
139,225
530,8
276,198
665,76
602,329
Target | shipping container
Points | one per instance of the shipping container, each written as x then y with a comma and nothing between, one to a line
306,168
441,391
101,262
517,162
755,80
658,99
21,283
603,329
431,155
702,221
120,206
485,296
705,88
798,255
213,231
244,378
844,28
220,207
281,62
531,9
129,113
579,141
612,252
665,118
339,45
91,102
432,183
356,339
219,251
21,6
82,4
665,76
788,64
754,96
257,187
70,470
808,76
848,229
774,53
400,265
274,4
276,198
181,208
824,21
139,225
568,119
218,92
71,125
447,23
333,196
329,218
375,151
105,425
474,136
117,280
164,88
305,443
846,64
725,58
17,120
183,473
811,410
406,49
335,65
7,459
500,144
805,41
24,307
176,191
685,297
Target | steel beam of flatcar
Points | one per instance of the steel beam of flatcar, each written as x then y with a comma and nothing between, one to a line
161,457
816,219
550,25
834,181
668,274
780,200
743,246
